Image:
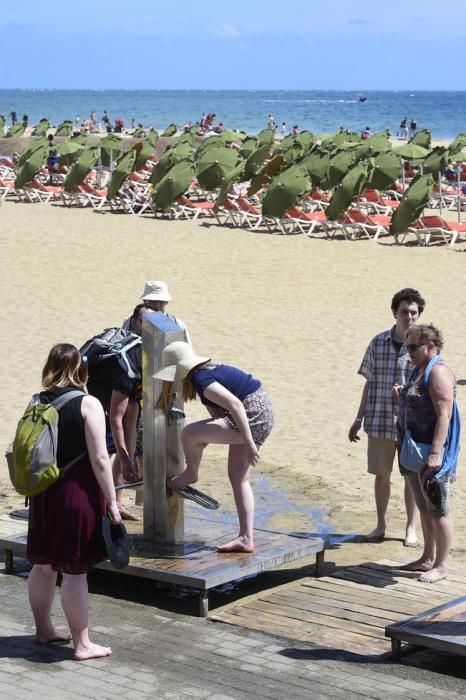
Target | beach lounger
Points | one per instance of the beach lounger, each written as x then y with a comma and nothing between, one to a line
36,191
372,226
87,194
303,222
429,228
7,189
185,209
373,201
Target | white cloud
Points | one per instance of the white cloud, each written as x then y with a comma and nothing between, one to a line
224,31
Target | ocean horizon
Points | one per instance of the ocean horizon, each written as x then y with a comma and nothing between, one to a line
443,112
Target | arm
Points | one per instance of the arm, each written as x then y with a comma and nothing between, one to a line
356,426
94,430
441,390
218,394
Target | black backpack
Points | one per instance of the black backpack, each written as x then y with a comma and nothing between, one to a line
112,342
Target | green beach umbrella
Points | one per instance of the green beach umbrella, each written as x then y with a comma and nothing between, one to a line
227,183
255,161
123,168
339,166
144,149
387,168
379,143
457,145
16,130
173,184
214,165
266,173
284,191
436,161
69,151
350,187
422,138
233,136
80,169
185,137
35,145
305,139
80,138
111,144
317,165
412,204
31,167
153,137
285,143
249,145
139,133
65,128
171,156
170,130
265,137
411,151
41,128
460,157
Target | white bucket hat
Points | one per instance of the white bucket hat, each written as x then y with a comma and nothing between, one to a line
178,359
156,290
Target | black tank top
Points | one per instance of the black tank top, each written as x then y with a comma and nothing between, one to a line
71,437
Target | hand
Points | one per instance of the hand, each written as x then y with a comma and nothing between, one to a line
127,468
396,393
252,454
434,462
114,513
353,431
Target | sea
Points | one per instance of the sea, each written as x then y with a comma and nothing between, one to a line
444,113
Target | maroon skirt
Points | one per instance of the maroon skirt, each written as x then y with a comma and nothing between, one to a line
65,522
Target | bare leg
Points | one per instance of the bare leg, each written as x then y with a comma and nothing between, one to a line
382,496
443,531
194,439
238,471
41,589
129,427
75,603
426,560
411,510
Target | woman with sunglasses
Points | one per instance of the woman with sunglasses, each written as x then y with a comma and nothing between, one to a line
428,409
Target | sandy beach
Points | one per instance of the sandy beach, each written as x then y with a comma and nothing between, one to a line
296,312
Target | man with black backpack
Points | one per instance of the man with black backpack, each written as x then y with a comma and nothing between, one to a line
115,378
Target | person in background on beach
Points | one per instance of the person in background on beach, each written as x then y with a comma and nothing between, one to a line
271,122
51,142
13,118
25,120
428,409
386,363
242,417
366,133
93,119
295,130
283,130
64,531
404,128
412,128
120,396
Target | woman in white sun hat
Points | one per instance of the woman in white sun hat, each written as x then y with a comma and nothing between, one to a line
157,296
242,417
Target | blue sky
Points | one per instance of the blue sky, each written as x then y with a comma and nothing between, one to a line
245,44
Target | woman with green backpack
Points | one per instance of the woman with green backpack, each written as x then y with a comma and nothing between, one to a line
64,534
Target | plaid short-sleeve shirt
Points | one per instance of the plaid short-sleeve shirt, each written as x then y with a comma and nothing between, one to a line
383,367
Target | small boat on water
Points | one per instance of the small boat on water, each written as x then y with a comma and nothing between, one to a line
362,98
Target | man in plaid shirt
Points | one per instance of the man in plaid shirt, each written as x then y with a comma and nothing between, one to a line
385,364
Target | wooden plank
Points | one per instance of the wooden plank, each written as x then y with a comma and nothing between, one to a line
390,577
366,616
407,591
453,575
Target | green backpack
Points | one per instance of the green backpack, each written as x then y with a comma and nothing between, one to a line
32,456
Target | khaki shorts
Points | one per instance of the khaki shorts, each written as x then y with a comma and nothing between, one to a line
380,455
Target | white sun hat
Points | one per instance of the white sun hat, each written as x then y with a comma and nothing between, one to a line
155,290
178,359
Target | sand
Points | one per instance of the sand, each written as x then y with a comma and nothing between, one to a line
296,312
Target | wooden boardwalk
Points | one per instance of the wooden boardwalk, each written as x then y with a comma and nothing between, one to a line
348,610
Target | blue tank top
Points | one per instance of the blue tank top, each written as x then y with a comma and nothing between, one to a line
239,383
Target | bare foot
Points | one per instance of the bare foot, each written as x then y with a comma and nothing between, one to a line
91,651
418,565
126,514
410,537
240,544
54,635
435,574
376,535
180,481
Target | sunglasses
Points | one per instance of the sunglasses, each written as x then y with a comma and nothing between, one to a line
414,346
